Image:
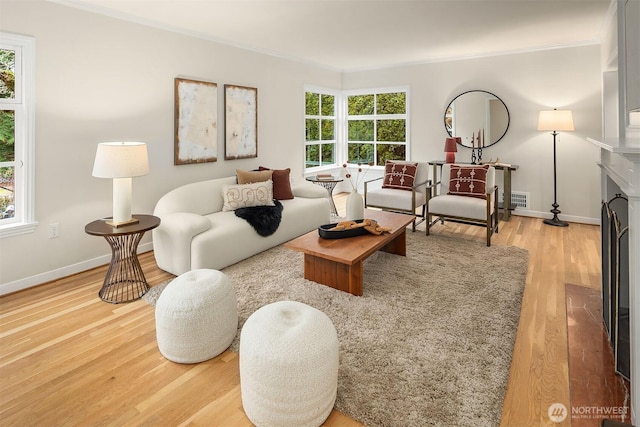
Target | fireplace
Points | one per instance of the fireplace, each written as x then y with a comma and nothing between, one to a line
619,164
615,279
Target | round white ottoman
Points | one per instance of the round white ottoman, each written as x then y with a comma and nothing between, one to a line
196,316
288,365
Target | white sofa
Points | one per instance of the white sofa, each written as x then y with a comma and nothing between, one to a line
196,233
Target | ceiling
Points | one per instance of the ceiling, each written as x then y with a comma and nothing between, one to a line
352,35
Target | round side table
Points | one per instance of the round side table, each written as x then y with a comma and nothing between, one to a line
125,280
329,185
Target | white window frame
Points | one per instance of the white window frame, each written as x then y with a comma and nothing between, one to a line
375,117
337,129
24,106
341,124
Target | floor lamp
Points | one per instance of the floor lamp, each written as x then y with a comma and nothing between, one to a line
555,120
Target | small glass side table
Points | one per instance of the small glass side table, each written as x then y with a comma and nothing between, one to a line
125,280
329,184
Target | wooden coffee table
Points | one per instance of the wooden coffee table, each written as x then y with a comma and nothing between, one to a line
338,263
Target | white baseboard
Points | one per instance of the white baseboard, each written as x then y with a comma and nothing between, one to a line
563,217
59,273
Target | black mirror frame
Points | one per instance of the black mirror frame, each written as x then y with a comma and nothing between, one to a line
489,93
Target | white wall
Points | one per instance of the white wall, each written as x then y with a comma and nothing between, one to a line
568,78
99,79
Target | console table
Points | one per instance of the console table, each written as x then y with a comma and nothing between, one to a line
506,183
125,280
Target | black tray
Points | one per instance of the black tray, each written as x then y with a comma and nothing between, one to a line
325,232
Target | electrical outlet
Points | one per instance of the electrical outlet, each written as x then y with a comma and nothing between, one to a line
54,230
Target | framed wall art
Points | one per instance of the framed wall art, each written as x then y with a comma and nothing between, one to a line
196,122
241,122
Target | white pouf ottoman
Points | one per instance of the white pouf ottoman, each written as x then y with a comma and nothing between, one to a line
196,316
288,365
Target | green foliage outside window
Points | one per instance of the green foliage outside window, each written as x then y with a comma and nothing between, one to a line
7,131
328,154
7,117
320,129
360,153
312,104
327,104
327,133
6,175
7,76
360,105
360,130
7,135
390,152
369,140
391,103
312,156
313,129
379,131
391,130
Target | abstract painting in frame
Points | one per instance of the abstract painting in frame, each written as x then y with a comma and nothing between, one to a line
241,122
196,122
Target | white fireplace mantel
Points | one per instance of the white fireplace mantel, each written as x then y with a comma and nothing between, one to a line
620,163
620,159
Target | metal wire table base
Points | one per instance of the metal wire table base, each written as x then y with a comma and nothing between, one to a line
125,280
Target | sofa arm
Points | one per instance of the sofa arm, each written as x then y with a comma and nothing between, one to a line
308,189
172,240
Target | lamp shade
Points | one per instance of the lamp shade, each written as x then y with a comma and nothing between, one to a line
450,148
451,145
121,160
555,120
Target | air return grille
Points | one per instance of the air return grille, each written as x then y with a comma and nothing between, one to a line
519,199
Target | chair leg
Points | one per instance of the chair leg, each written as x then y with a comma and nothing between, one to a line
489,230
428,226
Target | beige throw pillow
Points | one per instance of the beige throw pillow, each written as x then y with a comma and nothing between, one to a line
248,177
246,195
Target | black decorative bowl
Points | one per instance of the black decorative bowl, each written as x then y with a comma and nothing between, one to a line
326,233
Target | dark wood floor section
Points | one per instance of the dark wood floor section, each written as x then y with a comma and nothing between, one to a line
596,390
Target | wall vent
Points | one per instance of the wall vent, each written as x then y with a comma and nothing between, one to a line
519,199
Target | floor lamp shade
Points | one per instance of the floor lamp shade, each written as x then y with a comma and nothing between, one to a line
121,161
555,120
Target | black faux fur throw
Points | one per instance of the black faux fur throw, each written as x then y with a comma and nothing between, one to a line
264,219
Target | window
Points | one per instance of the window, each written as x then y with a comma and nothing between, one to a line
360,127
320,124
377,126
16,134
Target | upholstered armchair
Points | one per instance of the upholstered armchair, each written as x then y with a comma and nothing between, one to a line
468,194
403,189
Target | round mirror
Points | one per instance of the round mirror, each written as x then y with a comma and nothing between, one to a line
478,117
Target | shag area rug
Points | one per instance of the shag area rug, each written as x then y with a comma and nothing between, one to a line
430,341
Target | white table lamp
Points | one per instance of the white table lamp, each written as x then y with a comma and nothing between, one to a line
121,161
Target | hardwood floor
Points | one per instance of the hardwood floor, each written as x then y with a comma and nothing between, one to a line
68,358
